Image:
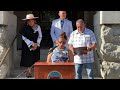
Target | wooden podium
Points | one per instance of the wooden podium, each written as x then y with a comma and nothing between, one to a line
44,70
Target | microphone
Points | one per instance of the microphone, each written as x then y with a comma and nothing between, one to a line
51,49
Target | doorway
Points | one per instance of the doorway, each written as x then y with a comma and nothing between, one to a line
45,21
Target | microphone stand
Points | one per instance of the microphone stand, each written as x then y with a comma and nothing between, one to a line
51,49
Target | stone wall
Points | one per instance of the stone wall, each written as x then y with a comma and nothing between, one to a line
107,30
8,23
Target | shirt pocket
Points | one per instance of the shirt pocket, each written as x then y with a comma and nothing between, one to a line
87,39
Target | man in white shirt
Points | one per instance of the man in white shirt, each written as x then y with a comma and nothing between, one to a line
82,42
60,25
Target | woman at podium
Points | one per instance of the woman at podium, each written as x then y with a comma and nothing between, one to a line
60,53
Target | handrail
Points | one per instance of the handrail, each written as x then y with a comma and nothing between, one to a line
1,62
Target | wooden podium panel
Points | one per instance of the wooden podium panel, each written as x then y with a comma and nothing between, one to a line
44,70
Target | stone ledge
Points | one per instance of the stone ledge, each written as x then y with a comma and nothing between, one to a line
107,17
6,16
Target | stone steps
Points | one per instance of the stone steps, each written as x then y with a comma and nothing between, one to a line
18,70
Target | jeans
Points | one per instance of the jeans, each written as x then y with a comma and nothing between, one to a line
78,70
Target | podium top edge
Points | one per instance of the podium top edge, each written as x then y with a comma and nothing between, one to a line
61,63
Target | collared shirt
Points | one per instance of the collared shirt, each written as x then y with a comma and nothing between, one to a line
56,28
83,40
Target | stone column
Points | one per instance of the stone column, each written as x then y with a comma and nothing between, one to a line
107,30
8,23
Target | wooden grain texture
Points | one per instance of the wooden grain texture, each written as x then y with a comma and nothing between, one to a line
42,69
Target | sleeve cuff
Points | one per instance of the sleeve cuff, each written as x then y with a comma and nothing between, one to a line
30,43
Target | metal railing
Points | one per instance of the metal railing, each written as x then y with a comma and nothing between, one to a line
5,55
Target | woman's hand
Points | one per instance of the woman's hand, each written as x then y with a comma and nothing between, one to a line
34,46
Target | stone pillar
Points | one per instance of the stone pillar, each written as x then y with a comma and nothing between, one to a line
8,23
107,30
3,46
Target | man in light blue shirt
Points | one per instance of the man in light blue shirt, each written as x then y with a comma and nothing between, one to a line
60,25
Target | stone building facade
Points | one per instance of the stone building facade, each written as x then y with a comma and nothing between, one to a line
105,24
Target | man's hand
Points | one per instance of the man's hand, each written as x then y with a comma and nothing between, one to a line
74,53
84,51
89,49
